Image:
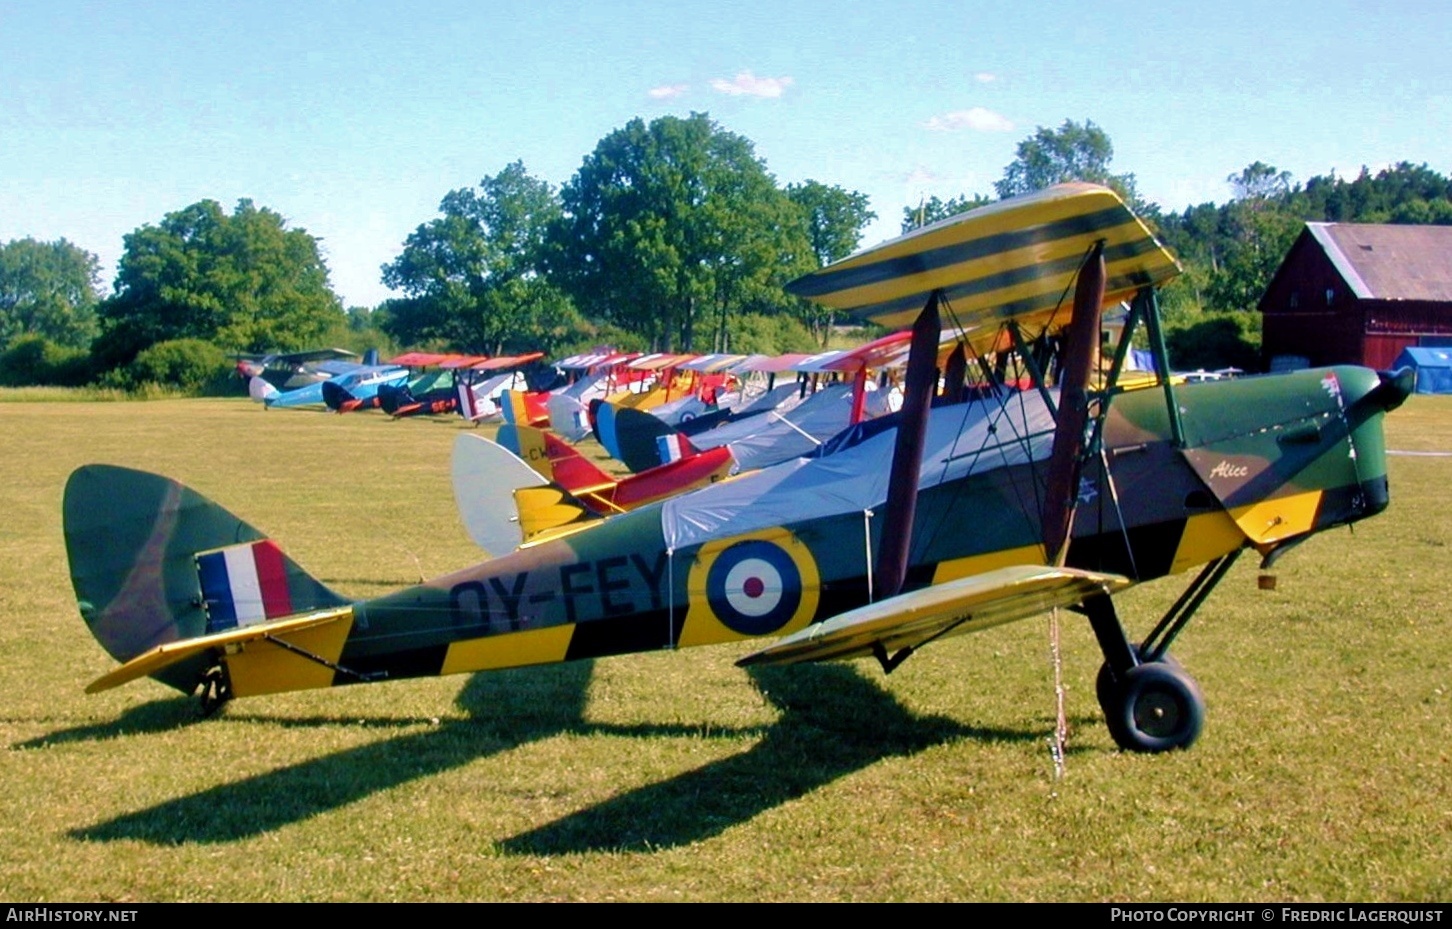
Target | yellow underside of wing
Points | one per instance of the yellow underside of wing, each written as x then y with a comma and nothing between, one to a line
164,655
964,605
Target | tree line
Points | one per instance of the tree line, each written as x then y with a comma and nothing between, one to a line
672,235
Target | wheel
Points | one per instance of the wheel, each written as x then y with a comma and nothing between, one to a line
1155,708
1106,685
216,690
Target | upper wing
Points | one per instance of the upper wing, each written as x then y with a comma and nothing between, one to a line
1015,259
914,618
317,354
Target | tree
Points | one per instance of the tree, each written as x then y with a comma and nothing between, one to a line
1231,251
835,218
472,275
191,365
666,223
1073,152
243,282
933,209
1259,181
48,289
1257,229
34,359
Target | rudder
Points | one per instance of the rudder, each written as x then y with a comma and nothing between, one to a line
153,562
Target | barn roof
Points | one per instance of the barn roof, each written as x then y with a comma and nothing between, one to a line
1387,262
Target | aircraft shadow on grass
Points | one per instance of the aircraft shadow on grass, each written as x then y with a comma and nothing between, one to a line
156,716
833,722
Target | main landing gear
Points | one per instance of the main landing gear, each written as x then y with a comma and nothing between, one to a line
1150,704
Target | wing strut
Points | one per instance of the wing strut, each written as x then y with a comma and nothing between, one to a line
1081,351
907,453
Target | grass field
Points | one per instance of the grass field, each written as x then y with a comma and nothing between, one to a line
1323,773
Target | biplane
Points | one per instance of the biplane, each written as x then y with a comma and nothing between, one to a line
296,378
481,381
780,425
561,487
341,391
290,370
947,519
431,390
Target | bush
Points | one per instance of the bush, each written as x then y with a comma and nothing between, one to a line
190,365
1216,340
589,336
753,333
35,360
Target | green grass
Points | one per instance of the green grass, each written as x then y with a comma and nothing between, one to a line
1323,773
65,394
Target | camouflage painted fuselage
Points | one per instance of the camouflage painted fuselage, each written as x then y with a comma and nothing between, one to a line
1264,462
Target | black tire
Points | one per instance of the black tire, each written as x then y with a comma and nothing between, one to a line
1157,708
1106,685
216,690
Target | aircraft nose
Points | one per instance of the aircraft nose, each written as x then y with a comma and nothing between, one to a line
1395,387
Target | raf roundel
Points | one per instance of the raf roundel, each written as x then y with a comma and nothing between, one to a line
754,587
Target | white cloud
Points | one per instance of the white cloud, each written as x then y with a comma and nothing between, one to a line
668,91
921,177
751,85
978,119
985,77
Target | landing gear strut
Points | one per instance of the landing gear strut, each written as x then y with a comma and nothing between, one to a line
1150,704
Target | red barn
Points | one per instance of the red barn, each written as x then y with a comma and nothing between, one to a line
1359,293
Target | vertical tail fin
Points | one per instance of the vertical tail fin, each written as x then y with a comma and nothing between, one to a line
674,447
261,391
486,475
153,562
635,436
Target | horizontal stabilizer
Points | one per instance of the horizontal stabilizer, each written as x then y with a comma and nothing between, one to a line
917,617
162,656
549,507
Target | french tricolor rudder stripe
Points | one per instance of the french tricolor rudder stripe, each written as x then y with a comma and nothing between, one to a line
244,584
673,447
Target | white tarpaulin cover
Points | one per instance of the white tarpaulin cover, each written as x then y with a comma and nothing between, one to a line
961,440
681,410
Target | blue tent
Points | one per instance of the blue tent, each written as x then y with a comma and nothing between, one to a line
1433,367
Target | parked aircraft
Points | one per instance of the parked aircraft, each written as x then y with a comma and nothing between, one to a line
954,519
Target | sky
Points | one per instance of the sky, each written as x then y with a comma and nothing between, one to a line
354,119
